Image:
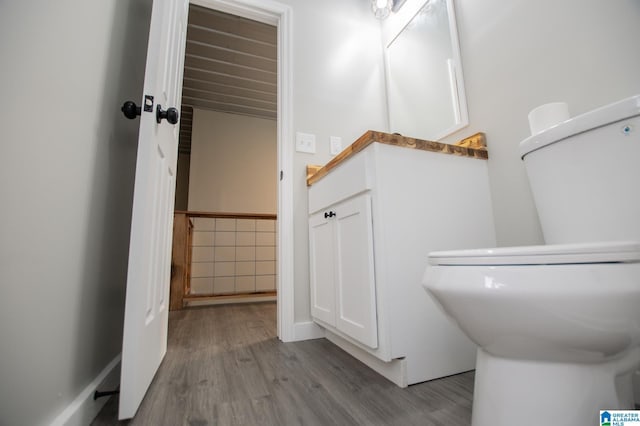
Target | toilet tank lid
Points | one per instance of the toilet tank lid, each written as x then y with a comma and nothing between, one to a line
600,252
602,116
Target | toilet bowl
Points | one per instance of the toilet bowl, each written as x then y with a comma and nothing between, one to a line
558,326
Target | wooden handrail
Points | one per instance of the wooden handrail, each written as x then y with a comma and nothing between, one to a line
224,215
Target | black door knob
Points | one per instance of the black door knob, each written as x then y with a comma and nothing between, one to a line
328,215
170,114
130,110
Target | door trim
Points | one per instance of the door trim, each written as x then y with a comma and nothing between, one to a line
275,13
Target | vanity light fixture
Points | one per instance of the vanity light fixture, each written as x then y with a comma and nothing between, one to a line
382,8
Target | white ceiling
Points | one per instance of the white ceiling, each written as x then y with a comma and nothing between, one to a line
230,66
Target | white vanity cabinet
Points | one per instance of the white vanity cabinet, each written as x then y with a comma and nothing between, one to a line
373,219
343,291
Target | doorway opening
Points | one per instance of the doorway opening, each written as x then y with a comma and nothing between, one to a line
234,141
230,146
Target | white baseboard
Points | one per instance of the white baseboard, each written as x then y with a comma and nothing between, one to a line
84,409
247,299
306,331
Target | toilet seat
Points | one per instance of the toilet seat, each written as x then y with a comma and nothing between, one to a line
601,252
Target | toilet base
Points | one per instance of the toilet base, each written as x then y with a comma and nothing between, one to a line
528,393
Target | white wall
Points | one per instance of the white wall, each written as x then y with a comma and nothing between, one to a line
66,186
338,90
519,54
233,163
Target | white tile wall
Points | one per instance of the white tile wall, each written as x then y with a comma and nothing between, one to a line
202,285
245,253
224,254
265,239
202,238
266,268
225,238
265,225
204,224
265,282
201,254
245,239
202,269
246,284
225,269
245,268
265,253
226,224
246,225
233,256
224,285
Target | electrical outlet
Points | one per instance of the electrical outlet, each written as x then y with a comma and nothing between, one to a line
336,145
305,142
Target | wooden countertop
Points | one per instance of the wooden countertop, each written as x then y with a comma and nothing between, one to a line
474,146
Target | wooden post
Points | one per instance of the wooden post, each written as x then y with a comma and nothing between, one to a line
179,260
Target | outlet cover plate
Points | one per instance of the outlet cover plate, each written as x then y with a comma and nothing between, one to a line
305,142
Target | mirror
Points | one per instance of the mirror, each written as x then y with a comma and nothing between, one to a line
425,90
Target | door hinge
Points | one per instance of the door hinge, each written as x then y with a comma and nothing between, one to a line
281,174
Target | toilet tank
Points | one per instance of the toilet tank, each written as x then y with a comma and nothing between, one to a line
585,175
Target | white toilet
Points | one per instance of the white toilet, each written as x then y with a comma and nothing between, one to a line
558,326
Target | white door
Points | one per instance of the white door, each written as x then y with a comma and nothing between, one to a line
321,266
146,312
355,277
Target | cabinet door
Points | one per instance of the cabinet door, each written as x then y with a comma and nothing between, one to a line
321,268
355,279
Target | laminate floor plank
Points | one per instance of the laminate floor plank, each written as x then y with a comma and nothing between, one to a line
346,383
225,366
299,396
369,400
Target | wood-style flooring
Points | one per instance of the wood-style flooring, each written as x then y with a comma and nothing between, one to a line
225,366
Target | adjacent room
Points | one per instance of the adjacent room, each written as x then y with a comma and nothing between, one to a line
226,187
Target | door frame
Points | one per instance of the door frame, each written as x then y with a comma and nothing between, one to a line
278,14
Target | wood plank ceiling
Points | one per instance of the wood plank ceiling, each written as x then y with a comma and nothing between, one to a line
230,66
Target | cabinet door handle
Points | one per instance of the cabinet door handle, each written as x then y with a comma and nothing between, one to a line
328,215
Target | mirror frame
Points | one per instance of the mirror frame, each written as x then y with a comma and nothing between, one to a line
456,80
